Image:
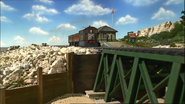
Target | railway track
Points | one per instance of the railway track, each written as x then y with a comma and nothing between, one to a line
161,51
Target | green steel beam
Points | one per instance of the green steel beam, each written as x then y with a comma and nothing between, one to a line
168,58
183,91
115,81
110,85
121,77
115,89
161,84
107,72
134,79
99,73
147,82
138,87
155,89
127,76
106,68
172,84
183,76
100,84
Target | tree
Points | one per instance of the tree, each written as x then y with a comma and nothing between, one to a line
183,18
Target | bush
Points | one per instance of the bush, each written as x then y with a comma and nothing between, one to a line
155,36
13,47
34,44
172,45
165,35
177,28
180,33
143,37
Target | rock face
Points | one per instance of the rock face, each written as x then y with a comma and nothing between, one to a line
18,66
166,26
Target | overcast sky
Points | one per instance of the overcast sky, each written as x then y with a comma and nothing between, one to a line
52,21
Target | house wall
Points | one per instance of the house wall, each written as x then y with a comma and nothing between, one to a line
102,38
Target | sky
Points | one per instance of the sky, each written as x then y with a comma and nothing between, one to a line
26,22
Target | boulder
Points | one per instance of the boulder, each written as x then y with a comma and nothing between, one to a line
64,50
29,81
52,71
14,76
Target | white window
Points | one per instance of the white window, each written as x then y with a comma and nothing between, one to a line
91,36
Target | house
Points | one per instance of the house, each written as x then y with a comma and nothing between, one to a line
106,33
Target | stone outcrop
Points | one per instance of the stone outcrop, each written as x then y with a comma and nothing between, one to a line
18,65
166,26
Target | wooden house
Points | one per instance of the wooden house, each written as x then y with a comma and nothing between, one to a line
106,33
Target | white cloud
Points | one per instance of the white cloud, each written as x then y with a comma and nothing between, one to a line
87,7
29,16
38,31
66,26
141,2
43,10
20,40
46,1
54,40
36,17
173,2
4,19
2,44
6,7
37,11
163,14
126,20
99,24
41,19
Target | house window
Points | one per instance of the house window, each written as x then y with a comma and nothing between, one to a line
81,37
104,35
86,31
95,31
91,31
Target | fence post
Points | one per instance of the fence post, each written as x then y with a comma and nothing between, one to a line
2,95
70,67
40,85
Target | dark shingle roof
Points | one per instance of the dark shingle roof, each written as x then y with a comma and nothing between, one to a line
106,28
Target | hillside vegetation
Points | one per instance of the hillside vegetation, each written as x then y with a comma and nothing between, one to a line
175,36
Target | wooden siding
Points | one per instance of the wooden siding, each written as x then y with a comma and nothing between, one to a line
85,70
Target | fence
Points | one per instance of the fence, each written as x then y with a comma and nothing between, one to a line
80,76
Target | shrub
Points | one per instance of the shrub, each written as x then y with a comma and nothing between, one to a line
155,36
177,28
34,44
13,47
172,45
165,35
143,37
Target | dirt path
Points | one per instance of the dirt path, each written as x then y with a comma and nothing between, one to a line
72,100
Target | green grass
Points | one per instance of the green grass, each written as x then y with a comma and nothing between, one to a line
139,44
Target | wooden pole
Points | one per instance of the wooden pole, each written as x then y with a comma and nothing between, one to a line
2,95
40,85
70,71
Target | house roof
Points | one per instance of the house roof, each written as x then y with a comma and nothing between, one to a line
88,27
106,28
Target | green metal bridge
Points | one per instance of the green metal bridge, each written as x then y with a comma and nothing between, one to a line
136,69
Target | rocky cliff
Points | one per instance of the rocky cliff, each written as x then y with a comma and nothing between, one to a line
166,26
